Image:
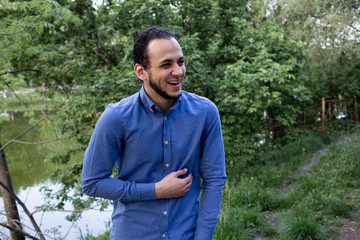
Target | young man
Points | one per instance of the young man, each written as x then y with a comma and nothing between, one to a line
163,141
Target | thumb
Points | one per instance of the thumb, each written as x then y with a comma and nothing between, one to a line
180,172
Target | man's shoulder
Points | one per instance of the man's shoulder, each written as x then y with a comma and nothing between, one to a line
124,104
197,100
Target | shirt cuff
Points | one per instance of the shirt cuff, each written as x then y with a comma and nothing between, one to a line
203,233
146,191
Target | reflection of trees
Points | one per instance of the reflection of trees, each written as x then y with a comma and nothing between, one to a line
29,136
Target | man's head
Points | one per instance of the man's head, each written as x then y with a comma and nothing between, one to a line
160,65
140,50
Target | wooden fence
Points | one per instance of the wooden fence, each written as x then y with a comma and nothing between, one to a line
335,109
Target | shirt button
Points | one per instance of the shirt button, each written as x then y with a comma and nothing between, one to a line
166,142
163,235
165,118
167,165
165,212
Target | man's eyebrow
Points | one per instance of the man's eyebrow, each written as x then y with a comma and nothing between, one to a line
166,61
170,60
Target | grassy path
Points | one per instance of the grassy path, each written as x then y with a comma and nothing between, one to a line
304,191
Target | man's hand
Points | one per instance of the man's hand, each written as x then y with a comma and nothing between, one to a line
172,186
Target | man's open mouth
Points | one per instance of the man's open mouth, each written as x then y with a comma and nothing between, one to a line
174,83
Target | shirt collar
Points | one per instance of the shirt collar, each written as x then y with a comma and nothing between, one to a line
148,103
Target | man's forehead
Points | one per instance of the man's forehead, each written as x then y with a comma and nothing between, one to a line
164,49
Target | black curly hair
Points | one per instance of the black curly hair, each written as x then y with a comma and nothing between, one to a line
139,52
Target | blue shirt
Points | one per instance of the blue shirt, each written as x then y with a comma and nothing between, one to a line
147,144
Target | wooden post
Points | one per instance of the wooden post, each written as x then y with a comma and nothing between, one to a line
323,115
356,112
346,111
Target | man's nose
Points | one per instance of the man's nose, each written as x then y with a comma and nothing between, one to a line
177,70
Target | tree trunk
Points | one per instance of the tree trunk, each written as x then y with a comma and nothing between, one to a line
11,210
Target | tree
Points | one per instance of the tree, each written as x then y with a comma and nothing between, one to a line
331,32
12,213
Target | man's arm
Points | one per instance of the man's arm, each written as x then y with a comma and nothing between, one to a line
99,159
212,171
100,156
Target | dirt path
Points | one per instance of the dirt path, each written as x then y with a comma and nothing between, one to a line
351,229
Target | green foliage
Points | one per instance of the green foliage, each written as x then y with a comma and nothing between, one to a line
260,93
302,224
298,148
341,208
239,223
331,34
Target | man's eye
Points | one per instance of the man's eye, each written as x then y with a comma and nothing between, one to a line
181,63
166,65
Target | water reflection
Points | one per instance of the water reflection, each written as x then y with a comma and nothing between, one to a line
26,162
29,172
53,224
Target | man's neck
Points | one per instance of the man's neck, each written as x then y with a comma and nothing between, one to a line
163,103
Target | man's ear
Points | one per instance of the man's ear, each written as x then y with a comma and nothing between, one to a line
140,72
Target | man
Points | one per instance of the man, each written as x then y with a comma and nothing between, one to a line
163,141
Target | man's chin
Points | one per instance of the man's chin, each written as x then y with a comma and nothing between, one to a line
175,95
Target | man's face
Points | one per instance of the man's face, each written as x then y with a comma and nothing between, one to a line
166,72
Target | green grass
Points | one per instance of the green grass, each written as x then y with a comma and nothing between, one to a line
302,224
290,204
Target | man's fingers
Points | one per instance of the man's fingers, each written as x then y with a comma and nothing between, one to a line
180,172
189,178
188,181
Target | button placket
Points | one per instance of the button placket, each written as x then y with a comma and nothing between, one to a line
167,145
167,170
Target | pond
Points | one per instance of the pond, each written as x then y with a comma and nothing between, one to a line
30,172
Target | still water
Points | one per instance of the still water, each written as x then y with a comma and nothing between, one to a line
30,171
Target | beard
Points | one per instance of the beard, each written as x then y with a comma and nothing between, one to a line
157,88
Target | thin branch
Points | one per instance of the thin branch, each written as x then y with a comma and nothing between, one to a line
13,91
18,230
48,141
27,130
19,71
33,222
21,134
14,33
52,209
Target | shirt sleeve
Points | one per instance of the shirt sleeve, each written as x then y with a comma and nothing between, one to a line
212,171
99,159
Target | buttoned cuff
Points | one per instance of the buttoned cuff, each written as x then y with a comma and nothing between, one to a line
146,191
203,233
